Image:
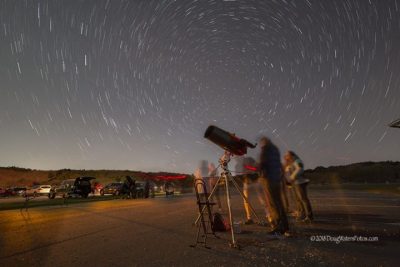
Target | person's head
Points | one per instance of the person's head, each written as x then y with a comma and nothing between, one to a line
290,156
203,167
203,164
211,166
264,141
287,158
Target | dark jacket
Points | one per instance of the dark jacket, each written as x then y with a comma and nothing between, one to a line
270,163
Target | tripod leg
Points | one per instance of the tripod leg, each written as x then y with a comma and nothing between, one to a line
228,202
244,197
203,223
198,234
197,237
210,218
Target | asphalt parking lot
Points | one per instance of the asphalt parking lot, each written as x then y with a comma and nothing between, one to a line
159,232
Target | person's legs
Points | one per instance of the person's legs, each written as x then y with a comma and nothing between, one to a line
246,204
293,200
298,194
285,201
283,225
306,202
278,217
261,198
216,193
273,213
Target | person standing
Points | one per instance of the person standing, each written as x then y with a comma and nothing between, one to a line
271,180
146,189
284,198
251,183
201,179
213,179
294,171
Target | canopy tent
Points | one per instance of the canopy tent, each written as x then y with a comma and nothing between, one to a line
395,124
171,177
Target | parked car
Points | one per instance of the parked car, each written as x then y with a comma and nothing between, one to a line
5,192
112,189
37,190
80,187
18,191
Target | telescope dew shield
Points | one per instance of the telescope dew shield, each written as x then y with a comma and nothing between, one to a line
227,141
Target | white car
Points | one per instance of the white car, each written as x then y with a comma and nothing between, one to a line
38,190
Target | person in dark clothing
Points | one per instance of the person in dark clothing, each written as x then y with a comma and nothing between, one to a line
271,181
147,189
129,187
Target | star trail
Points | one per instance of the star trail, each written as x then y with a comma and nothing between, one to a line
134,84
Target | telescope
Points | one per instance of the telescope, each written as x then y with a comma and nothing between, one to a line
232,146
228,141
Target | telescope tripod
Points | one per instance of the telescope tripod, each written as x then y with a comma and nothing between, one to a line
227,177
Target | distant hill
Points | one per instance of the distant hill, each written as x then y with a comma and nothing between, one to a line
15,176
363,172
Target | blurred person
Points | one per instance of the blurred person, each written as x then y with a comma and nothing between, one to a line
213,179
288,193
294,172
129,187
169,188
271,180
284,191
251,183
201,173
147,189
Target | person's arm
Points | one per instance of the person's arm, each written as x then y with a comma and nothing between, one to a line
296,171
197,174
262,164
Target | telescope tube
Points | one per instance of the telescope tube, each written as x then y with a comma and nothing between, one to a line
227,141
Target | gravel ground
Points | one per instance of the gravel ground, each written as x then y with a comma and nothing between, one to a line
159,232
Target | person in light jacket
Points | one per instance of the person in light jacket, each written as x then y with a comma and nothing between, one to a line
294,169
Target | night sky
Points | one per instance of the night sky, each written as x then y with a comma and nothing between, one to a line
134,84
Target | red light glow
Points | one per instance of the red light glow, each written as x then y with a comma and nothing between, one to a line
171,177
251,168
